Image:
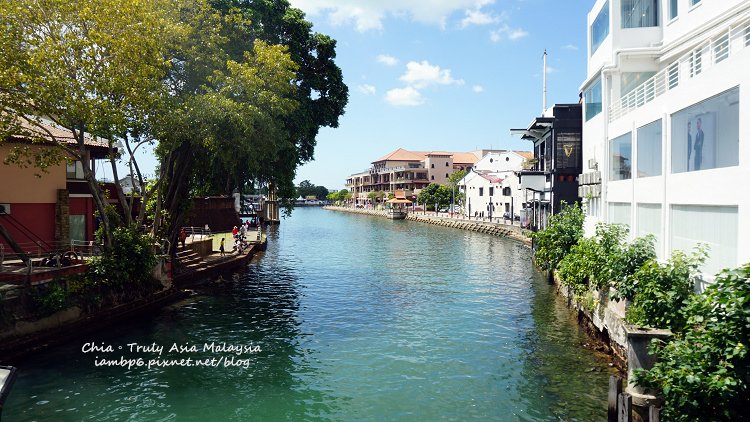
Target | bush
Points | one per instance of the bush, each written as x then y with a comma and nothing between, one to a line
605,259
49,298
128,263
703,374
556,240
660,292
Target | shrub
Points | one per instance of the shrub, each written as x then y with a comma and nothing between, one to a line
565,229
703,373
660,292
128,263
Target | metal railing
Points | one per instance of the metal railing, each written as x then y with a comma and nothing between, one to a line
199,231
720,47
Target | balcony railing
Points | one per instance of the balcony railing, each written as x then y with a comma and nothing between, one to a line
723,45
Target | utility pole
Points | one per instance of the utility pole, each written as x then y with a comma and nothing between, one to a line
544,82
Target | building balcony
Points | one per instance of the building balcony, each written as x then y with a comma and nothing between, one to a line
725,43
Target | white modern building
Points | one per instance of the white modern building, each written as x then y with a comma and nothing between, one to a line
665,149
492,188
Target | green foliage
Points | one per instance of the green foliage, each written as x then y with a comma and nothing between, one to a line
435,193
659,292
703,373
128,263
306,189
565,229
605,260
50,298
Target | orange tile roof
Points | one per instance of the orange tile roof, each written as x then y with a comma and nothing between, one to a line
525,154
464,158
401,155
49,132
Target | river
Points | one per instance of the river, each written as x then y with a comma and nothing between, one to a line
345,317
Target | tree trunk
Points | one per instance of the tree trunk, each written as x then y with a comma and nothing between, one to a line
126,210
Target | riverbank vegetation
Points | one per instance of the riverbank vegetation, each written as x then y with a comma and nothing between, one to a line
702,372
230,94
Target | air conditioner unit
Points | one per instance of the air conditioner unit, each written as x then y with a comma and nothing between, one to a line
4,209
593,164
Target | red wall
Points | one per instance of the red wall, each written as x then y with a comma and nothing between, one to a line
37,218
84,206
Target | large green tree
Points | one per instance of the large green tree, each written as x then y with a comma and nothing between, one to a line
435,193
89,67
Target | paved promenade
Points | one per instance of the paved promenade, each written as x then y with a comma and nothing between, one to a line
456,221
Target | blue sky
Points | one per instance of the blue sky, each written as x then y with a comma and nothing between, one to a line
436,75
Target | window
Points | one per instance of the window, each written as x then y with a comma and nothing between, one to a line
706,135
77,227
621,157
674,75
506,191
694,2
446,174
715,226
696,61
672,9
481,191
649,222
492,191
432,177
721,48
631,80
600,28
649,149
74,170
593,99
619,213
639,13
446,164
432,165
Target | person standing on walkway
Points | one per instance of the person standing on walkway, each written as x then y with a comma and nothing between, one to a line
183,236
221,247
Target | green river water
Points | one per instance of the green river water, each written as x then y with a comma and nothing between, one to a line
345,317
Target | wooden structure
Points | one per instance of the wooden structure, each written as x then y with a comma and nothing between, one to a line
397,209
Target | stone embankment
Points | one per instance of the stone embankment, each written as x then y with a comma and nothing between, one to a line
494,229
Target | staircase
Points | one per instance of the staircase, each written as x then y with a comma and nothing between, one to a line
189,261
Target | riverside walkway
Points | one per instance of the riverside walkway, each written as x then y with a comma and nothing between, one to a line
456,221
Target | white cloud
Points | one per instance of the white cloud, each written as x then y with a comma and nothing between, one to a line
517,34
477,17
422,74
387,60
368,15
404,97
570,47
505,31
367,89
477,88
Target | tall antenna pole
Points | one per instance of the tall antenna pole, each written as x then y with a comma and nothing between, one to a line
544,83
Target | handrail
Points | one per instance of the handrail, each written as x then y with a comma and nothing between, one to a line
719,48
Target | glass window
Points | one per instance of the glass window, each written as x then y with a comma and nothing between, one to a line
672,9
600,27
631,80
706,135
694,2
619,213
674,75
481,191
593,99
710,225
621,157
74,170
639,13
721,48
649,222
492,191
649,149
77,227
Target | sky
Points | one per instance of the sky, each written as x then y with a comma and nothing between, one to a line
440,75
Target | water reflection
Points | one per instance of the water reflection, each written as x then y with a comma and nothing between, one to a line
358,318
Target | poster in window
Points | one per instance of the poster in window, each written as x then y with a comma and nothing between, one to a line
702,142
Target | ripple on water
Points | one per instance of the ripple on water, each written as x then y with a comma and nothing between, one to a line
358,318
